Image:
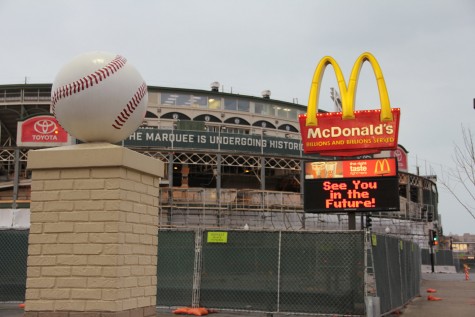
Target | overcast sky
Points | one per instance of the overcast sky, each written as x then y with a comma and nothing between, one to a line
426,49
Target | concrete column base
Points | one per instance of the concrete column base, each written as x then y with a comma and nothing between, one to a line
137,312
93,234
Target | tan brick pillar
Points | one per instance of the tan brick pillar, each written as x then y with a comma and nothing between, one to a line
93,236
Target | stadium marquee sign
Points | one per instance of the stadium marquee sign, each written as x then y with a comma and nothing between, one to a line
204,140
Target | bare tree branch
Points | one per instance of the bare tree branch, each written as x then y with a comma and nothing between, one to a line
464,172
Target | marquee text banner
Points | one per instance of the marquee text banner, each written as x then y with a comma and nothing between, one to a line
204,140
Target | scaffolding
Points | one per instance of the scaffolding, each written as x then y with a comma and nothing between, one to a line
223,202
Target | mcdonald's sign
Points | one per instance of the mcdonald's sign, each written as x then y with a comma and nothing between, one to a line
381,167
350,132
365,194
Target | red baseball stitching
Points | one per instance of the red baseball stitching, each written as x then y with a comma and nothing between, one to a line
89,80
130,107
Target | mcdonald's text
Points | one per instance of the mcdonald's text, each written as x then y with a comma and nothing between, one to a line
335,132
365,134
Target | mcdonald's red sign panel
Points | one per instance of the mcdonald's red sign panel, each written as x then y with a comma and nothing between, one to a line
350,132
351,168
365,134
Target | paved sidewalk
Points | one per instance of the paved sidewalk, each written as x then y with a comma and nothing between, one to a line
458,297
12,310
458,300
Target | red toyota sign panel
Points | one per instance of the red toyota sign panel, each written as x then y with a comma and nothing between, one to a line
42,131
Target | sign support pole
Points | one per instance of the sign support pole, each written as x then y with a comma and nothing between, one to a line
263,173
16,179
432,259
431,249
351,221
170,186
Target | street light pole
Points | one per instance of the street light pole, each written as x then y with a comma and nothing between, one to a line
218,169
263,163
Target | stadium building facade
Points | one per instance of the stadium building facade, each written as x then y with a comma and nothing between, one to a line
232,161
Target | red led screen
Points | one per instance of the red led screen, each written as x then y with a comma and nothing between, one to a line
351,194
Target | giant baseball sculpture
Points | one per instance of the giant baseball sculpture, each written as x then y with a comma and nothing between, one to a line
99,97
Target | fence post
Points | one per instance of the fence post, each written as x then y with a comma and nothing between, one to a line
278,271
373,306
195,300
372,303
388,270
399,252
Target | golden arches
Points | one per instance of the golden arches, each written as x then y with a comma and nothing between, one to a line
348,94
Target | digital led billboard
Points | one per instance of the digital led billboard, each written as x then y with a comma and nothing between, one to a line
355,185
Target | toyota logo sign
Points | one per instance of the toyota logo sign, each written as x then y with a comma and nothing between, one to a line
45,126
42,131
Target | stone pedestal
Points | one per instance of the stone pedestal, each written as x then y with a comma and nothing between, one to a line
93,234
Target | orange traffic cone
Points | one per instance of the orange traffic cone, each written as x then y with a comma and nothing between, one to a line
433,298
431,290
466,270
199,311
22,305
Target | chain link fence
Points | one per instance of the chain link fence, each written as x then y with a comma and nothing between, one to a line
176,257
13,256
441,257
444,257
397,265
261,271
295,272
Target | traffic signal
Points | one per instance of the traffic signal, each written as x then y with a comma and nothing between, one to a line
430,216
369,221
431,237
435,238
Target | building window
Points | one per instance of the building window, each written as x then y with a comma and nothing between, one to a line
234,130
243,105
214,103
234,104
171,99
230,104
199,101
263,109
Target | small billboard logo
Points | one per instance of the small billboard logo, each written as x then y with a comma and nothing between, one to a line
382,167
42,131
45,126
